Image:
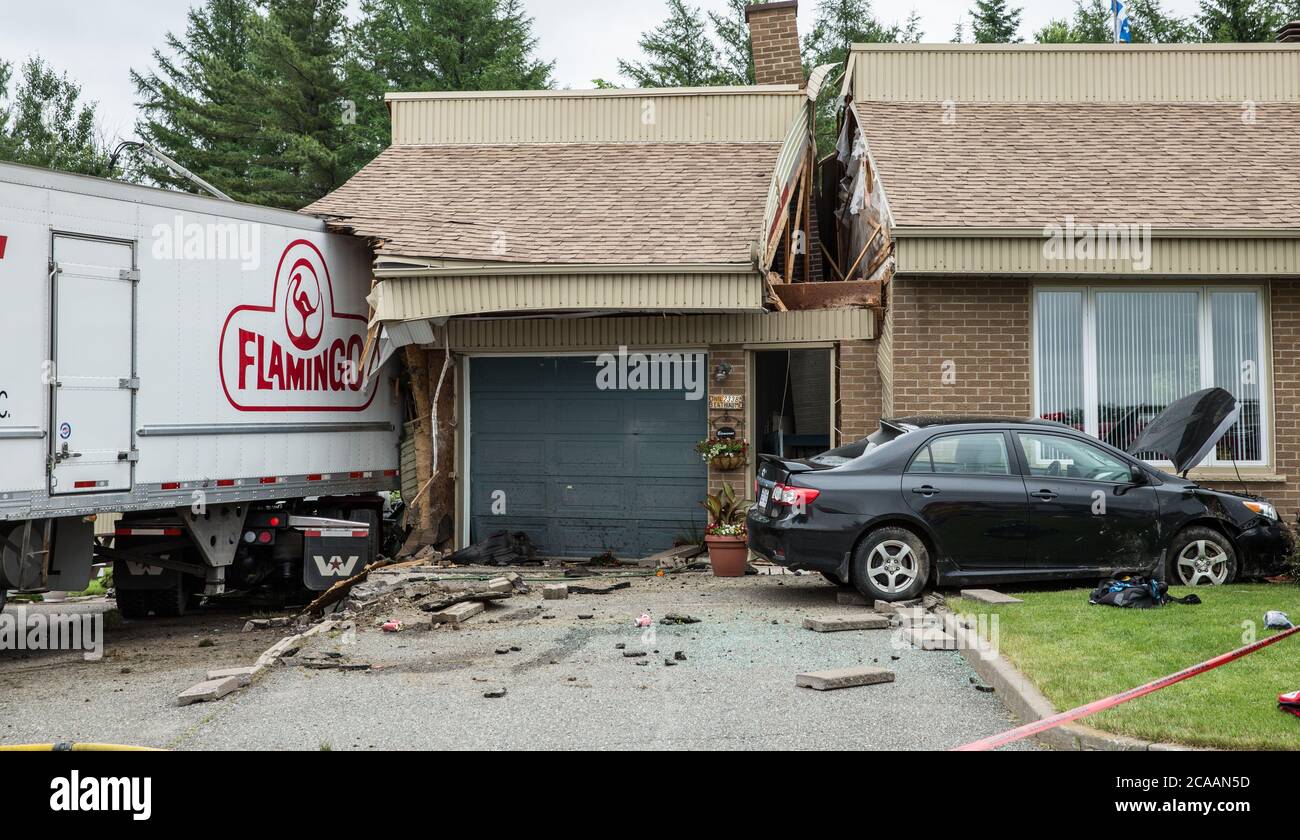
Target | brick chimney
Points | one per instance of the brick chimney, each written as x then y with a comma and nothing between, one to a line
1290,34
774,38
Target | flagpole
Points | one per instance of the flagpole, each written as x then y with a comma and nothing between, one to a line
1114,13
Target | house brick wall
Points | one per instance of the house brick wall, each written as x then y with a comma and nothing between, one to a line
860,407
774,38
960,346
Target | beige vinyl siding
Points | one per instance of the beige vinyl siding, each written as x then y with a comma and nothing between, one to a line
407,298
1237,73
663,331
745,115
1170,257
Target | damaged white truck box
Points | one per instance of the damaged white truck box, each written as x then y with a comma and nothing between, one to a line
192,364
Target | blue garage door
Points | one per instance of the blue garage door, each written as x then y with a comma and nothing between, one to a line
582,470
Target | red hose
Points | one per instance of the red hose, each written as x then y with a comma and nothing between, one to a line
994,741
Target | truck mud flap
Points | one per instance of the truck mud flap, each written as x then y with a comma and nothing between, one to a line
330,556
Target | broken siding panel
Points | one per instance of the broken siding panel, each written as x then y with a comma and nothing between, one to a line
935,73
1171,257
408,298
588,118
680,331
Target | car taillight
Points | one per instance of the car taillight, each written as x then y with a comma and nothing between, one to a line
801,496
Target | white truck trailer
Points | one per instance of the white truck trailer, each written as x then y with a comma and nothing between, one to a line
192,364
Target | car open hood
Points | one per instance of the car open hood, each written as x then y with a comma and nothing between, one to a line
1188,428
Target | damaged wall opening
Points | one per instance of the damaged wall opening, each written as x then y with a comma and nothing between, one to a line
792,402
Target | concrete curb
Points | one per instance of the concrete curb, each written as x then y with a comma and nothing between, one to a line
1026,702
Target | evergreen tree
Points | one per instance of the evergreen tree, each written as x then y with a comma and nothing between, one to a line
45,123
431,45
840,24
1241,21
735,55
1093,23
192,105
678,53
992,22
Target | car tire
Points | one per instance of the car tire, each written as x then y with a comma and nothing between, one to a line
1201,556
833,579
891,564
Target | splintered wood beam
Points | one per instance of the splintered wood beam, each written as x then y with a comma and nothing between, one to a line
878,260
839,275
844,294
772,280
848,275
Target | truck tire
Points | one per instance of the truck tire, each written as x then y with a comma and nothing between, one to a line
162,603
132,603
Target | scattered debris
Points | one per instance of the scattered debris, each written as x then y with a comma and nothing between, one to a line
500,549
680,655
459,613
467,596
244,674
495,693
586,616
930,638
208,690
555,592
1277,620
634,654
679,618
843,678
890,607
393,626
989,596
670,662
599,590
834,624
643,620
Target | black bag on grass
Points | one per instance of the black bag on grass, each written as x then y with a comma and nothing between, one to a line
1136,592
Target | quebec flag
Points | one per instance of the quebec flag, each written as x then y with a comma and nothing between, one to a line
1123,32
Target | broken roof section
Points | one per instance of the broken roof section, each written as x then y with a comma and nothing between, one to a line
570,201
982,148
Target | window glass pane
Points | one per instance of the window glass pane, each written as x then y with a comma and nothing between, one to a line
1053,456
1234,319
1148,355
1058,320
921,462
980,453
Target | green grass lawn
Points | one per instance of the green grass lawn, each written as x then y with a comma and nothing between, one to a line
1077,653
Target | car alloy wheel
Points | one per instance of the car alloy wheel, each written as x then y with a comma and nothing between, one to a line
892,566
1202,563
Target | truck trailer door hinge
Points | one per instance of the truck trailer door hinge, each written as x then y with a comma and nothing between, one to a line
131,275
132,384
131,457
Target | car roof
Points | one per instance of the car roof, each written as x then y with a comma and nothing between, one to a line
927,421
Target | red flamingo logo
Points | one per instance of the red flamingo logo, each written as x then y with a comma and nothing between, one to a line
302,316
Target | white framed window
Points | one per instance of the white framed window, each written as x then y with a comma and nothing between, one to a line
1108,359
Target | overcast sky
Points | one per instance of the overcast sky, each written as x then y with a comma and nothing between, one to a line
97,43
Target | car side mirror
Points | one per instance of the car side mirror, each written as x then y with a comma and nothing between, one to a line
1138,478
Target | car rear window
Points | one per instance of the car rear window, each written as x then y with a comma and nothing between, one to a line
853,451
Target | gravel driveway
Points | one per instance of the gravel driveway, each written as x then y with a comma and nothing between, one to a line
568,685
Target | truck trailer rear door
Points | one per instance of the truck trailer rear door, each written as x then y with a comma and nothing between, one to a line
93,337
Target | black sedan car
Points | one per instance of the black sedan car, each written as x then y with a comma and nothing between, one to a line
964,500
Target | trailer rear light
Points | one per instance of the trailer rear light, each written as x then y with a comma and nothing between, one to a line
360,533
271,479
226,482
264,537
390,473
275,522
86,485
801,496
319,477
250,536
357,475
171,485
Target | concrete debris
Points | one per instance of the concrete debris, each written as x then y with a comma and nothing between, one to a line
989,596
598,590
890,607
458,613
244,674
834,624
495,693
208,690
679,618
555,592
930,638
843,678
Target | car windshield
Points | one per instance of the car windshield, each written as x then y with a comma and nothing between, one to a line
852,451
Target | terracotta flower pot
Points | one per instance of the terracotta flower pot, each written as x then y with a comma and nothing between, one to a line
727,555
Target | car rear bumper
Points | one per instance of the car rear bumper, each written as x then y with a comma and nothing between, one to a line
1265,549
796,545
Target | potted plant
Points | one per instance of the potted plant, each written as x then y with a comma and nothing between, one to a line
726,533
724,453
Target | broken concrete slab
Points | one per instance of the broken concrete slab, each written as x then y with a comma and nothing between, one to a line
911,616
555,592
891,607
843,678
837,623
989,596
500,584
849,598
458,613
207,691
245,674
930,638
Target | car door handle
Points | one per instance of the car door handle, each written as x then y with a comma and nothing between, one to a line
1045,495
925,490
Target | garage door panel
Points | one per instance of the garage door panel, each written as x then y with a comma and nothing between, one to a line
618,469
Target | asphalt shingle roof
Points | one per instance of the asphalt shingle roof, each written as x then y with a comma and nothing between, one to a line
572,203
1177,166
